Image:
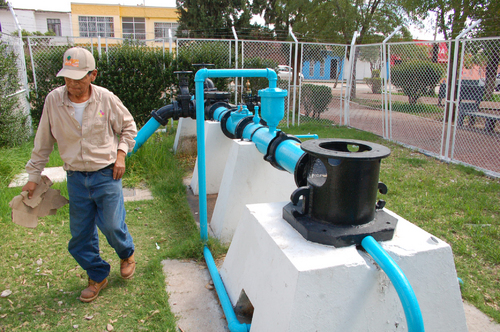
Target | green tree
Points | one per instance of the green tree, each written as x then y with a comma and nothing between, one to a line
416,78
489,12
211,18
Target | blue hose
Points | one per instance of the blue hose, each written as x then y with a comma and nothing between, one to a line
401,284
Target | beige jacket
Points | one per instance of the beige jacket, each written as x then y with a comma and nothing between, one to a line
107,127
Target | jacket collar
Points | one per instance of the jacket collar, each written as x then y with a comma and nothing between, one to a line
95,95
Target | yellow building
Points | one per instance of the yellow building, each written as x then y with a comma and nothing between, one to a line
117,21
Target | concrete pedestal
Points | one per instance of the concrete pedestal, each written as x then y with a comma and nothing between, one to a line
296,285
247,179
185,137
217,147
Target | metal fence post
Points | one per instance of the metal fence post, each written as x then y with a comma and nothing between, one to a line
169,41
349,80
385,75
295,70
236,64
449,105
32,65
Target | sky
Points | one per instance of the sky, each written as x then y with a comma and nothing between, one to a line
65,6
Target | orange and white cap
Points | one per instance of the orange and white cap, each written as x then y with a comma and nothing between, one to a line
77,63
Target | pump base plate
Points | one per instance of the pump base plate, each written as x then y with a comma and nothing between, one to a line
381,228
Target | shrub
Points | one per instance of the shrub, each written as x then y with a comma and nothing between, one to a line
139,76
13,122
316,99
47,62
416,78
375,82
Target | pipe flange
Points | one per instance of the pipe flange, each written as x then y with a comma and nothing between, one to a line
273,146
240,127
210,110
301,170
223,123
253,133
158,118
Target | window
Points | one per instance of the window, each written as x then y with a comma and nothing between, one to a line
322,68
54,25
311,68
93,26
161,29
134,27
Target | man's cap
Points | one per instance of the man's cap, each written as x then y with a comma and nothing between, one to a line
77,63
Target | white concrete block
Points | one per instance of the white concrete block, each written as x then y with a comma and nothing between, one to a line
296,285
217,147
247,179
185,137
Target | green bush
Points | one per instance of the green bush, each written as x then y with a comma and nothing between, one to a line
139,76
375,82
416,78
47,62
316,99
14,128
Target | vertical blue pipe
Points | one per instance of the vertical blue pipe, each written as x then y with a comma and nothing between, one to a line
401,284
201,75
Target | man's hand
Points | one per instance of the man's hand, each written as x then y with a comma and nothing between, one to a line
30,188
119,168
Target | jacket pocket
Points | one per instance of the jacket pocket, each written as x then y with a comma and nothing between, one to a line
99,132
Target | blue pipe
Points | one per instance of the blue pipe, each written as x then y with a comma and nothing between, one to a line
308,136
262,138
232,322
400,282
288,154
201,75
146,131
199,79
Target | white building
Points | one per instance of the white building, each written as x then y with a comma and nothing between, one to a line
36,20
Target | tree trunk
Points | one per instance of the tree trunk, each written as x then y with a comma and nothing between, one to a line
491,71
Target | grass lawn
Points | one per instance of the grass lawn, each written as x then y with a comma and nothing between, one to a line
455,203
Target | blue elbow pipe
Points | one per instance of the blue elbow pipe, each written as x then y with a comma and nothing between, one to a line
401,284
201,75
145,133
233,324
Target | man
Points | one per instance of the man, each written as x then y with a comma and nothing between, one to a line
94,132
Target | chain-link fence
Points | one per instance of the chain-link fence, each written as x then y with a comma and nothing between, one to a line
406,92
366,103
322,88
416,86
475,112
268,54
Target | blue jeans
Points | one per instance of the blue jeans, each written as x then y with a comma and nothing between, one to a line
96,200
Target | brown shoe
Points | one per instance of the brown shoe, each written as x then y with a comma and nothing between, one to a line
90,293
127,267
